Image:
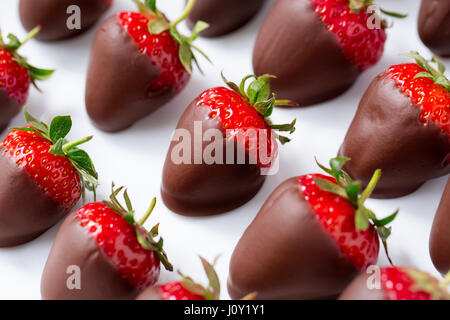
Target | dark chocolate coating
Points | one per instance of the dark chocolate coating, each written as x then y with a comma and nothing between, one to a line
117,86
440,234
52,16
286,254
358,290
100,278
434,26
387,134
295,45
9,108
223,16
25,211
151,293
202,189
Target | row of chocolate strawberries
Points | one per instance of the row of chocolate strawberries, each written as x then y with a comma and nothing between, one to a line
310,239
347,46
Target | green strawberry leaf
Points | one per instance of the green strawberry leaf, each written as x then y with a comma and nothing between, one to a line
393,14
57,148
152,5
83,161
60,127
199,27
186,57
361,219
331,187
353,190
214,283
259,89
35,123
157,26
14,42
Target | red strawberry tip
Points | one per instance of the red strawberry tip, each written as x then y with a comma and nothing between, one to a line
424,282
350,190
145,238
437,75
56,134
160,23
14,44
212,291
259,95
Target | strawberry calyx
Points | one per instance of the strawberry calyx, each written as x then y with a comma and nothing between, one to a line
424,282
210,292
160,23
358,5
56,134
350,190
14,44
145,238
259,95
438,76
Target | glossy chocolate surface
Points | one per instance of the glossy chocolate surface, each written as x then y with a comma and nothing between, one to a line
440,234
117,86
295,45
206,189
52,16
434,26
99,277
25,211
223,16
387,134
286,254
8,109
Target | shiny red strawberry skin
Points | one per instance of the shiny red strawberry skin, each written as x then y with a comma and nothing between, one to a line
14,78
363,46
433,99
162,50
117,239
337,217
54,174
237,117
176,291
398,285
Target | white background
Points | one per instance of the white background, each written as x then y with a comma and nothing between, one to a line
135,157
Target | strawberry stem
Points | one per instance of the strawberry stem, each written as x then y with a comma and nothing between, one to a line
371,186
74,144
187,10
148,213
31,35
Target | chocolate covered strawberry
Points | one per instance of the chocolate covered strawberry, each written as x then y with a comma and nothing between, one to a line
397,283
312,236
42,177
434,26
16,75
222,148
61,19
139,62
402,127
223,17
186,288
440,235
317,48
109,254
